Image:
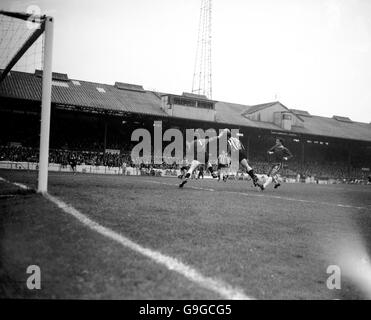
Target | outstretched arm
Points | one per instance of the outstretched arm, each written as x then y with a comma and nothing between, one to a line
221,134
190,144
288,154
271,150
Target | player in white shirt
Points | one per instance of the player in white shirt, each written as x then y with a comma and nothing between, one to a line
224,163
202,150
236,145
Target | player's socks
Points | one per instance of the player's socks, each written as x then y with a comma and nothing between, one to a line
253,177
183,183
186,177
213,174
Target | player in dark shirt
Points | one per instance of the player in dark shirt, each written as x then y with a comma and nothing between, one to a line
278,153
184,168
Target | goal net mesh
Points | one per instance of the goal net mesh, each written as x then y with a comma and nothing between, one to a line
21,44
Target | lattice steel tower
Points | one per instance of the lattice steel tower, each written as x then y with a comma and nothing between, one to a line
202,81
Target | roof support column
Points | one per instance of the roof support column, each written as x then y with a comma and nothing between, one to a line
349,162
248,148
105,135
302,160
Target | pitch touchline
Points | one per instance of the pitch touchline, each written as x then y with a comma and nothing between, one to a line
223,289
20,185
267,196
172,264
299,200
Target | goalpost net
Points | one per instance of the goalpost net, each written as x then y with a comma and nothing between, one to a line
26,42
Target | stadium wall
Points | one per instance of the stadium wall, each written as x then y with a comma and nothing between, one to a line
56,167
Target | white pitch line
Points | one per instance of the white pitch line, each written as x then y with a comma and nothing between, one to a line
300,200
22,186
217,286
268,196
198,188
188,187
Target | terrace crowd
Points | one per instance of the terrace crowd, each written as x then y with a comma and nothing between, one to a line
291,169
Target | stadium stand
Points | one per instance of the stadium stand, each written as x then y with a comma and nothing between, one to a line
89,118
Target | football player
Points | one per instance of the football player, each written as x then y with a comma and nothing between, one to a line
236,145
202,146
184,167
278,153
224,162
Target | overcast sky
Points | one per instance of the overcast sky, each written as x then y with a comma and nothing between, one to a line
313,55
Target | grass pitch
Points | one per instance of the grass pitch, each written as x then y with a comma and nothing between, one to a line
275,244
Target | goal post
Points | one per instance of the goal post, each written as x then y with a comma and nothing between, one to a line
15,42
46,106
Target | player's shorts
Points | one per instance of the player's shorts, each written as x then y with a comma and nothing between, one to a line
241,155
221,166
275,168
185,168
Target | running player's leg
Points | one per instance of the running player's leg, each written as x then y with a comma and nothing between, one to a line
276,182
209,167
200,172
224,172
182,172
192,168
250,171
275,176
271,175
219,172
211,170
269,179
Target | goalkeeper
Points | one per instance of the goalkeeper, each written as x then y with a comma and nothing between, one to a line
278,153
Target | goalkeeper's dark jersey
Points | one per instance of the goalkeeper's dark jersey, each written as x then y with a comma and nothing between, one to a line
279,152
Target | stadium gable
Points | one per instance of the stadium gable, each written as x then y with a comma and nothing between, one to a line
307,124
231,113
